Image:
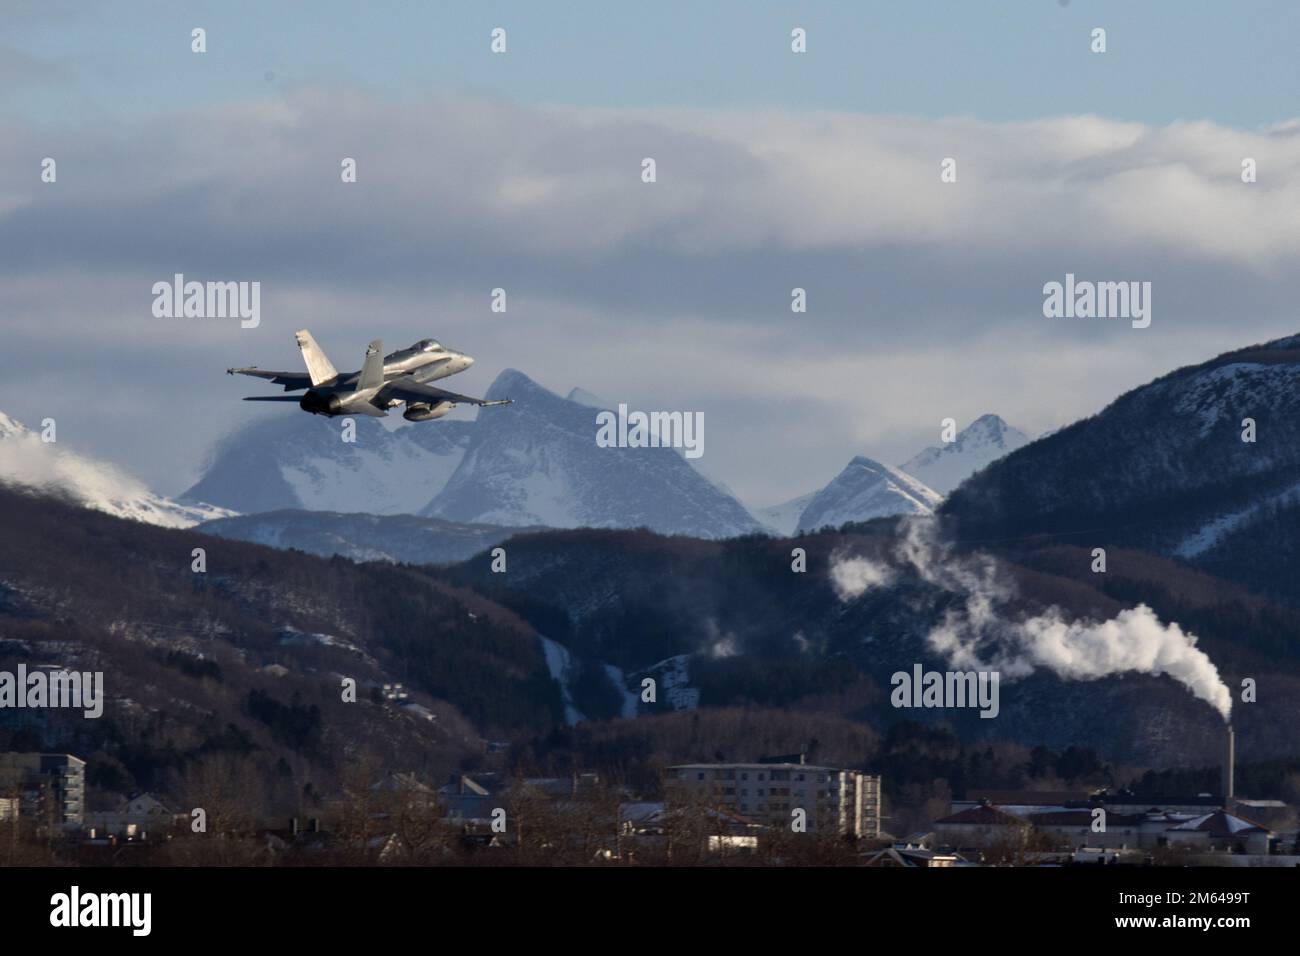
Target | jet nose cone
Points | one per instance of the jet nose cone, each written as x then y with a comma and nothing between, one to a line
467,360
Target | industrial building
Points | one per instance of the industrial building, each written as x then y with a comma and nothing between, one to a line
1099,827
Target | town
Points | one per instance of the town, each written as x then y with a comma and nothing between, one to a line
775,809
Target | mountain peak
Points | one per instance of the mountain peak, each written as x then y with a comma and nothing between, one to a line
1174,452
984,440
866,489
583,397
869,464
538,462
987,422
512,383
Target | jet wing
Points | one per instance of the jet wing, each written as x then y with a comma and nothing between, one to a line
290,380
406,389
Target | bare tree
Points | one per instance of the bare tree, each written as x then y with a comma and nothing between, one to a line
414,817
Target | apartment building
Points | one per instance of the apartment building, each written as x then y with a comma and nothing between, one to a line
835,800
49,787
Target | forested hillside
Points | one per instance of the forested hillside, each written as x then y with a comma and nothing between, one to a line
247,658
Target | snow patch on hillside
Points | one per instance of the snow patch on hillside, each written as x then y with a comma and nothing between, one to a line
1215,530
673,679
559,662
631,701
370,480
1230,392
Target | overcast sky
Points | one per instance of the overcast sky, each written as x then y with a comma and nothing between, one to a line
523,171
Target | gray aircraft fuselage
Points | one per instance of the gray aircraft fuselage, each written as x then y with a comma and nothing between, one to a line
399,378
425,361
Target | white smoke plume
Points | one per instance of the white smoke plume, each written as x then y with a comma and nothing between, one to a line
978,636
854,577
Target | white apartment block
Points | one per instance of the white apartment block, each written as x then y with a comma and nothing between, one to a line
839,801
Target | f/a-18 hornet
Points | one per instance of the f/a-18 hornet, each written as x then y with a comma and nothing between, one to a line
384,381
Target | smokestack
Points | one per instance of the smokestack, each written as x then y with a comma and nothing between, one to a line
1228,758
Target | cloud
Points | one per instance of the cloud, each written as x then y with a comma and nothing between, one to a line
27,461
563,184
924,298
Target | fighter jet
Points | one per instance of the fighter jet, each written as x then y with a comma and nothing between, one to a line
383,382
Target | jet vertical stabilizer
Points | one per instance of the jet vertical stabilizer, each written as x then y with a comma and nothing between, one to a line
372,371
320,368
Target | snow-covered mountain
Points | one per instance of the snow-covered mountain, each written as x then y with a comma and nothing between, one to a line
298,461
27,461
866,489
946,466
584,397
1202,464
784,517
537,462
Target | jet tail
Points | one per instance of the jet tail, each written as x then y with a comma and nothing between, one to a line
372,372
319,367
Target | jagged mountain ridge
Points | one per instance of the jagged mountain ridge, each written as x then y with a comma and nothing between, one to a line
497,470
1165,468
297,461
864,490
983,441
537,462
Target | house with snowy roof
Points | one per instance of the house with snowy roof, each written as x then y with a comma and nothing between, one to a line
1103,828
908,856
979,826
1222,831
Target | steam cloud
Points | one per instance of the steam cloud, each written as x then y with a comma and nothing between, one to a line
979,637
853,577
